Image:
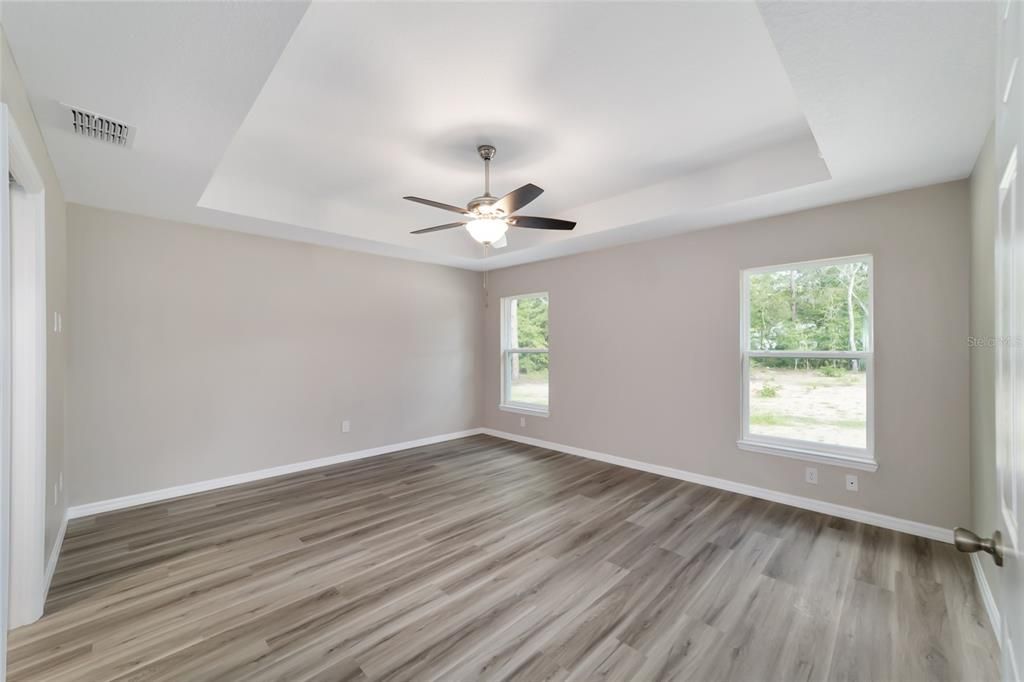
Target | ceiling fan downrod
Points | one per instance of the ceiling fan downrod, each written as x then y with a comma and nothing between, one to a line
487,153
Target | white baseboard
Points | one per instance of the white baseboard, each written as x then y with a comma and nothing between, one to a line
986,596
51,561
116,503
852,513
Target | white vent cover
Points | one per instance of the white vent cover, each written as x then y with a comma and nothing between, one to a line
99,128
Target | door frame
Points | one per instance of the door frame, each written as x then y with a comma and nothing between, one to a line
5,390
24,419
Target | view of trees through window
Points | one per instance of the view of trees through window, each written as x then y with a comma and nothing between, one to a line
819,309
527,328
813,309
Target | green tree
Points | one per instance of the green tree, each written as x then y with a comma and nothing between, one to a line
813,309
532,330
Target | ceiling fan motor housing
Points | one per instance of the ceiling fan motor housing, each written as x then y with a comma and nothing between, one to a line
481,205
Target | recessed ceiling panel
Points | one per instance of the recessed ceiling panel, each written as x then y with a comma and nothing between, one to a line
373,101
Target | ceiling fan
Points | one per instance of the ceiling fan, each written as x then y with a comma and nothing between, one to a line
487,218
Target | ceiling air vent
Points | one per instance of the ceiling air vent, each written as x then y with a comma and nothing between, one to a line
99,128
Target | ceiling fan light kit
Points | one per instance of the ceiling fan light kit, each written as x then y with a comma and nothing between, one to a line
487,218
487,230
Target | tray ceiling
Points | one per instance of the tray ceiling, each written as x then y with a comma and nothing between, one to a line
310,122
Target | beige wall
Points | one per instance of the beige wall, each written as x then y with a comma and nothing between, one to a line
12,93
659,381
199,353
983,368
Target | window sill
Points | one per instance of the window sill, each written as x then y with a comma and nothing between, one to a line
520,409
834,459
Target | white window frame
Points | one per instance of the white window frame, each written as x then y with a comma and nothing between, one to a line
852,458
507,350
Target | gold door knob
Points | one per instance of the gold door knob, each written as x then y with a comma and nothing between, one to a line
968,541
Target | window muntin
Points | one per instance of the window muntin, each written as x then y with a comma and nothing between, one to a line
524,352
807,352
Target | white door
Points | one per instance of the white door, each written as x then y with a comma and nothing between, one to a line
1009,148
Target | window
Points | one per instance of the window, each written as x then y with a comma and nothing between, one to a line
524,353
806,344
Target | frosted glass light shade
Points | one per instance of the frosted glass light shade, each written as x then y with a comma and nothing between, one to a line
487,230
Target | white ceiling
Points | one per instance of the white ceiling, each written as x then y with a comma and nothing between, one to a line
639,119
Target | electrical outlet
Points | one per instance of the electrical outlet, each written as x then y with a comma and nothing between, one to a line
345,426
811,475
522,421
851,483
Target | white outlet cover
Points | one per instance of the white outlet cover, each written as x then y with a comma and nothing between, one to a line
522,421
811,475
345,426
851,483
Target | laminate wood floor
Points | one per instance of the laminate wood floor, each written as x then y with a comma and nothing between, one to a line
482,559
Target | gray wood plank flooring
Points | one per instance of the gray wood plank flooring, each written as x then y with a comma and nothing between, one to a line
482,559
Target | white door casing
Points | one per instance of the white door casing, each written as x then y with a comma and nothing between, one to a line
5,390
26,345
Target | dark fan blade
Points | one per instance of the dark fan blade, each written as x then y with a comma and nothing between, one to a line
435,228
438,204
541,223
517,198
